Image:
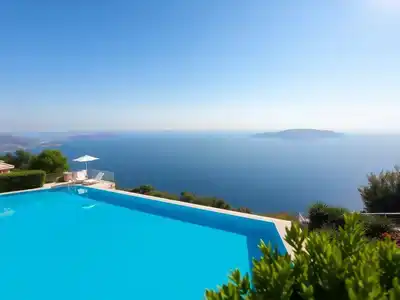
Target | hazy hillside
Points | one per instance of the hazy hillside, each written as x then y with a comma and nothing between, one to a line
9,142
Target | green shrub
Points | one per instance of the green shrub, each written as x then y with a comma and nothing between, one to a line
21,180
325,217
207,201
376,226
187,197
164,195
147,188
212,201
322,215
143,189
382,194
50,161
244,210
328,265
317,215
282,216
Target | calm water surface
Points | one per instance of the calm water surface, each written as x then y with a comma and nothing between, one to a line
57,245
267,175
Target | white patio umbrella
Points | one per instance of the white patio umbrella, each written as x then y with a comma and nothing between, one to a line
86,159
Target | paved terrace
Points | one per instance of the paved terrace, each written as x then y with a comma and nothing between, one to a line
103,184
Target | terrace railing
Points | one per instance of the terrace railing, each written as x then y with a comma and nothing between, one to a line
303,219
53,177
394,217
108,176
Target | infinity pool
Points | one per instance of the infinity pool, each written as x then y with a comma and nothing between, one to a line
85,243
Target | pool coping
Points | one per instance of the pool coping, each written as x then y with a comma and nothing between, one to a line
25,191
280,225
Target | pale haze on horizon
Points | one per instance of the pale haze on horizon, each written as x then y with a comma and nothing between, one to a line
200,65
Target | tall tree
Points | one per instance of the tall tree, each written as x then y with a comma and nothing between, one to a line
20,159
50,161
382,194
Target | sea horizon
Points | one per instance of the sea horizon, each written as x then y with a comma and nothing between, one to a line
267,175
351,132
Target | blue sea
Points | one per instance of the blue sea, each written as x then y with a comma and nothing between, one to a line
266,175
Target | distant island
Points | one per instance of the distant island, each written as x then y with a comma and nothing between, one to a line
300,134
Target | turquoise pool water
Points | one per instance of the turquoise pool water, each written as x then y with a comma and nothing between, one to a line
59,244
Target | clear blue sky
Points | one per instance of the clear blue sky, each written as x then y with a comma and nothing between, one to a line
199,65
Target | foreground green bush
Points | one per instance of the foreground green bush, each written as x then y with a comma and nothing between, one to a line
335,265
21,180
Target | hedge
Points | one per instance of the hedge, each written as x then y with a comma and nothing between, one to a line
21,180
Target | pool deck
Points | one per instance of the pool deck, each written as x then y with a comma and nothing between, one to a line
107,185
281,225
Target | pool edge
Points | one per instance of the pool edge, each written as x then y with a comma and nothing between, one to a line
280,225
25,191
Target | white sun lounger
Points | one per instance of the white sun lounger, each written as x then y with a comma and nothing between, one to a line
80,176
97,179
